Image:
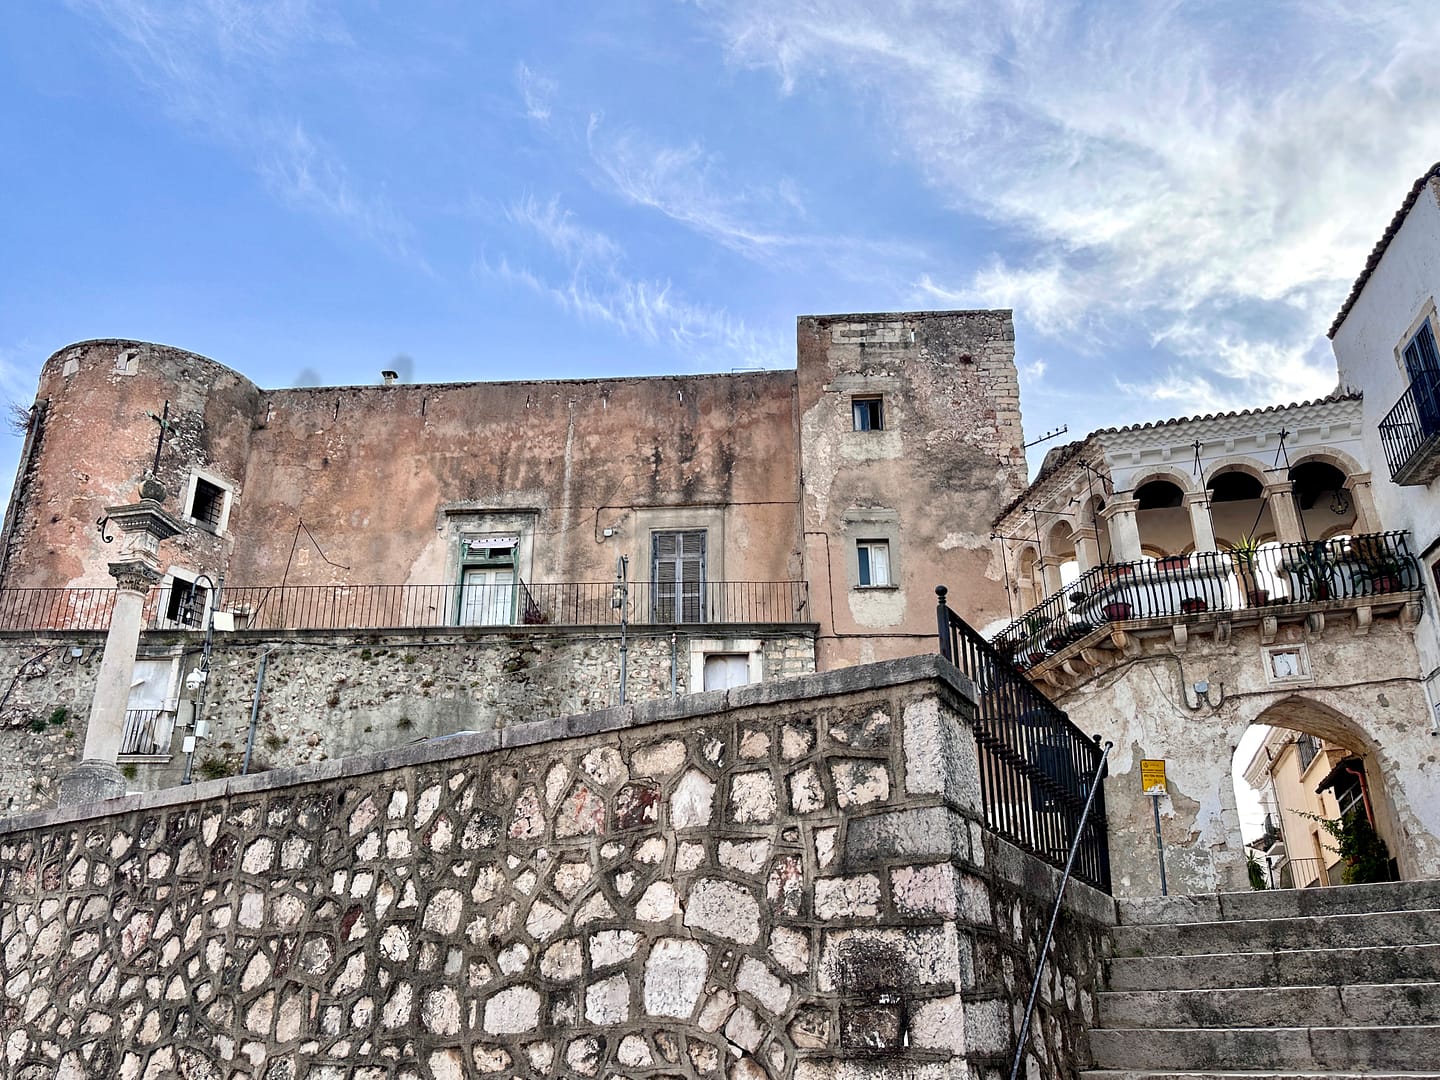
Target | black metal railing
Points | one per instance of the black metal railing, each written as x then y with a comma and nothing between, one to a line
1298,874
379,607
1411,425
56,609
1274,574
327,607
147,731
1035,765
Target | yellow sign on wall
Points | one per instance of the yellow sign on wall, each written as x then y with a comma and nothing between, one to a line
1152,776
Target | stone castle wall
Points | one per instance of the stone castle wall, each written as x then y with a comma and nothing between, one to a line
334,695
785,880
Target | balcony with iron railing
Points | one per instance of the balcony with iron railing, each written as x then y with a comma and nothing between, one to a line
1275,579
396,607
1410,432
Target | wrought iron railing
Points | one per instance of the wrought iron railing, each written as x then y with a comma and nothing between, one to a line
1412,424
1275,574
345,607
1035,765
147,731
1298,874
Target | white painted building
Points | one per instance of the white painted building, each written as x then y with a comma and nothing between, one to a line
1384,340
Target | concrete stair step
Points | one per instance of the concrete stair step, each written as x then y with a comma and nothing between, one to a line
1412,927
1356,1049
1282,903
1285,1006
1296,967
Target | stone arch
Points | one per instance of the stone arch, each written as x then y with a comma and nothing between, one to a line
1312,476
1306,714
1237,463
1185,481
1027,574
1331,456
1230,517
1162,522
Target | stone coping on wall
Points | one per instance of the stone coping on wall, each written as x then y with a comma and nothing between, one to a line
886,673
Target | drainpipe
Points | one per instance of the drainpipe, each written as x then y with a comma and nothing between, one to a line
254,713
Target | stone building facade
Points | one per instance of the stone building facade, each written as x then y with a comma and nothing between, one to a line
469,536
1174,583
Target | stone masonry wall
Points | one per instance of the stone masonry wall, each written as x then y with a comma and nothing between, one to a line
329,695
784,880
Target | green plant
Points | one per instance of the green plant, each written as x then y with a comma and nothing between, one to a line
59,716
409,658
1244,550
1256,871
365,654
1314,567
1366,857
274,741
38,725
1034,624
216,768
404,723
129,771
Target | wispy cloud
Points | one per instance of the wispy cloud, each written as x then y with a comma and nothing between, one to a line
589,280
219,67
537,92
1222,168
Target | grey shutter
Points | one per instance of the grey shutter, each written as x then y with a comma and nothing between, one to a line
678,576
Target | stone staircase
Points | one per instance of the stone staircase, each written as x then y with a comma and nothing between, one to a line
1332,983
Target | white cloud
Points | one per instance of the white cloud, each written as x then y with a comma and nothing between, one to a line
590,281
1213,175
537,92
213,63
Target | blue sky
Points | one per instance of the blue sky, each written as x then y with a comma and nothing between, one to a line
1173,197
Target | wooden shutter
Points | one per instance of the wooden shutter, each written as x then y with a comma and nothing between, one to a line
678,576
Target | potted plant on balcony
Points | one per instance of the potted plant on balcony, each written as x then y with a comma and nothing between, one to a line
1379,566
1116,610
1314,567
1193,605
1173,562
1243,553
1078,597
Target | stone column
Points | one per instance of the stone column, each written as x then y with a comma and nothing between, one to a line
1367,517
1201,527
98,776
1119,518
1087,548
144,525
1280,495
1050,568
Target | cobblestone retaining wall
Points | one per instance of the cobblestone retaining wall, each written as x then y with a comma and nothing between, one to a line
784,880
330,695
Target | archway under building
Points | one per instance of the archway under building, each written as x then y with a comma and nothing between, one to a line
1301,772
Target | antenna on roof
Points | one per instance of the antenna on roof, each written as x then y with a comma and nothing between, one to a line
1061,430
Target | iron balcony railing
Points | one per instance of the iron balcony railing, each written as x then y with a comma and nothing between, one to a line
1035,765
378,607
1410,428
1343,569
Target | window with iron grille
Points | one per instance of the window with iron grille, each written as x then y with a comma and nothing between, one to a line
186,603
1308,747
868,413
207,506
677,576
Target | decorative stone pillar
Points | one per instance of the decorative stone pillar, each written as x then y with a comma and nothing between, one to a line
144,525
1280,495
1087,547
1119,518
1050,568
1201,527
1367,517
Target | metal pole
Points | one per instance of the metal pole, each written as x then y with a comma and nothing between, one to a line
254,713
1160,845
673,662
622,601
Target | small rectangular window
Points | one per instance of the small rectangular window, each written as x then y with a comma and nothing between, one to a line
1309,748
186,603
874,558
207,506
867,413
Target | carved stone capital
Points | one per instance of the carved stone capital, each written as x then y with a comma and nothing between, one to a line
135,576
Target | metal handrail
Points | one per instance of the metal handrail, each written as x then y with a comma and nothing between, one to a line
1412,422
1055,909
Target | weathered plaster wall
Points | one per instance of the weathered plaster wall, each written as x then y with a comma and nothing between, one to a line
931,482
330,695
95,441
790,880
1362,690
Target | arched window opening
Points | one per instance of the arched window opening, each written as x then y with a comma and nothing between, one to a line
1324,504
1161,518
1238,507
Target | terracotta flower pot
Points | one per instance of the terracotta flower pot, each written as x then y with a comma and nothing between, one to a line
1193,605
1117,610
